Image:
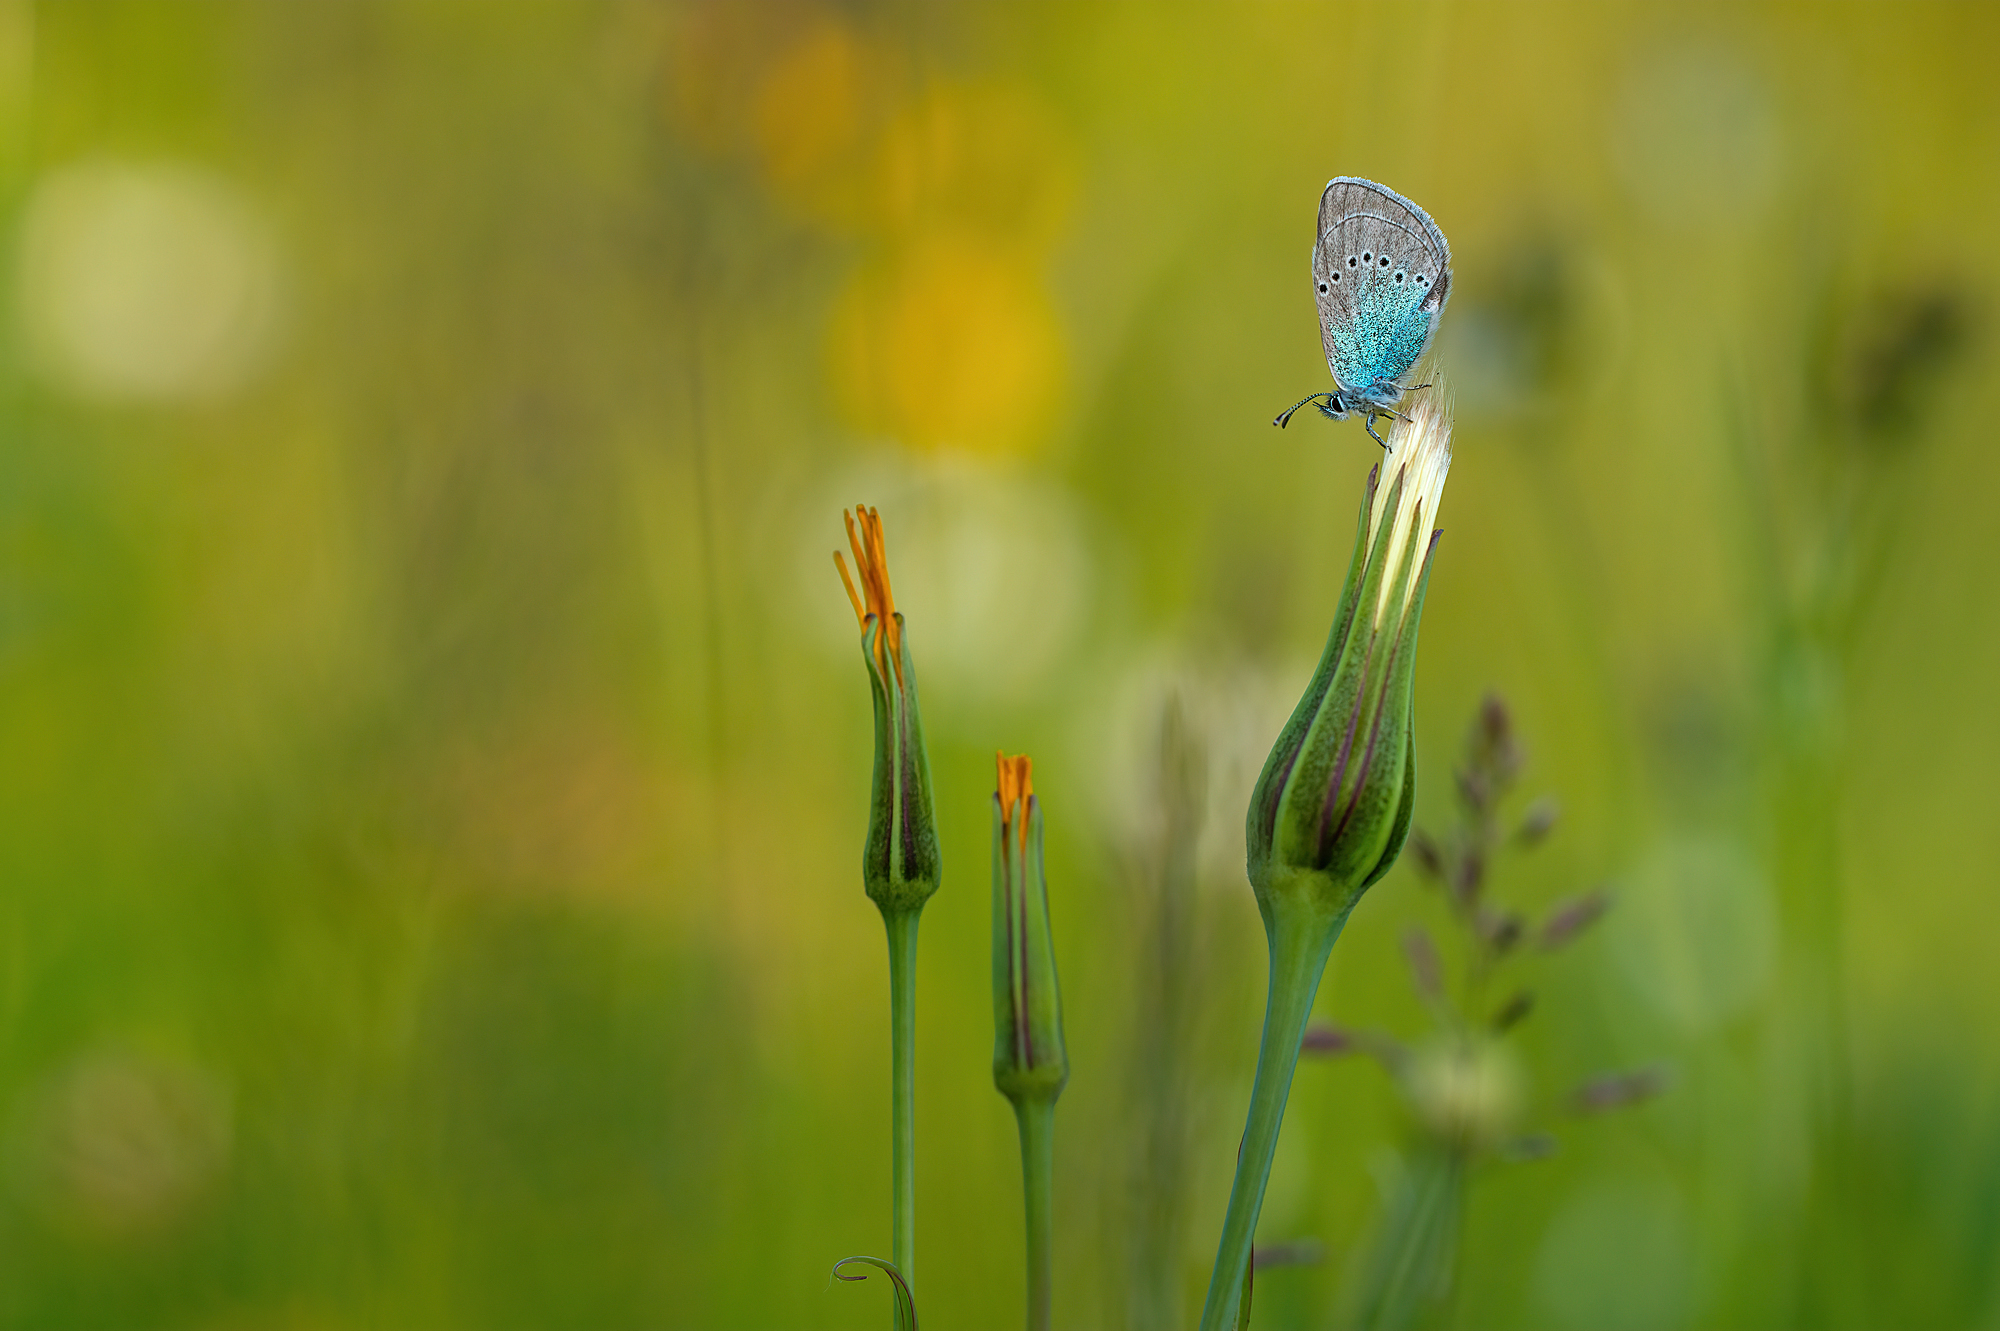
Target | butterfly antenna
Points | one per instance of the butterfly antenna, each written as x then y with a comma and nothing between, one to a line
1285,418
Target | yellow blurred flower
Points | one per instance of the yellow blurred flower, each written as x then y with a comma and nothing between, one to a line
947,339
953,343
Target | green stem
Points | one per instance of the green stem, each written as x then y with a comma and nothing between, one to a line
1037,1119
1301,935
902,926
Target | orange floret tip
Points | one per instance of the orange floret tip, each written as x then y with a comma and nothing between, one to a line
871,565
1017,787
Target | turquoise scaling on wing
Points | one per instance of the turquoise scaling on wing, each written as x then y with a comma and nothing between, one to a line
1388,333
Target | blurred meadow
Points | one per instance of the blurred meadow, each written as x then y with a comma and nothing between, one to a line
434,745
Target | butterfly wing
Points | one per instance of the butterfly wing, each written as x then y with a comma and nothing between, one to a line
1381,275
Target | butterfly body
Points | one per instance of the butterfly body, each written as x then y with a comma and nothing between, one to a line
1381,277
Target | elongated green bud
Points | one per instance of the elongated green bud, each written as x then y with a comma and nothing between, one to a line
1332,808
1030,1064
899,863
1029,1060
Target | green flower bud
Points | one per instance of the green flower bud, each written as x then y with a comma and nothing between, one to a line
1029,1060
899,864
1332,808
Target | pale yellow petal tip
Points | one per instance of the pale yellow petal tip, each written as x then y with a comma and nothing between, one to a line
1420,451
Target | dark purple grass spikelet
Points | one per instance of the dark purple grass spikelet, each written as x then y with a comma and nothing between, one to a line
1571,918
1328,1041
1618,1090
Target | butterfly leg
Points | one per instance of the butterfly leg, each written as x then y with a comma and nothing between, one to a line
1369,422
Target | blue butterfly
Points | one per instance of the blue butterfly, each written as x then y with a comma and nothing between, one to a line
1381,273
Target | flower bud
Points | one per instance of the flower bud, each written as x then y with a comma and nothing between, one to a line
1029,1060
1332,808
899,863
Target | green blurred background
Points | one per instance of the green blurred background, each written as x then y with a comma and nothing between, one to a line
434,744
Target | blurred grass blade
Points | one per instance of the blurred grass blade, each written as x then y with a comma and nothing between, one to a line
1408,1271
906,1302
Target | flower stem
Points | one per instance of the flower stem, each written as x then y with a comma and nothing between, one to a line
1301,934
902,927
1037,1119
